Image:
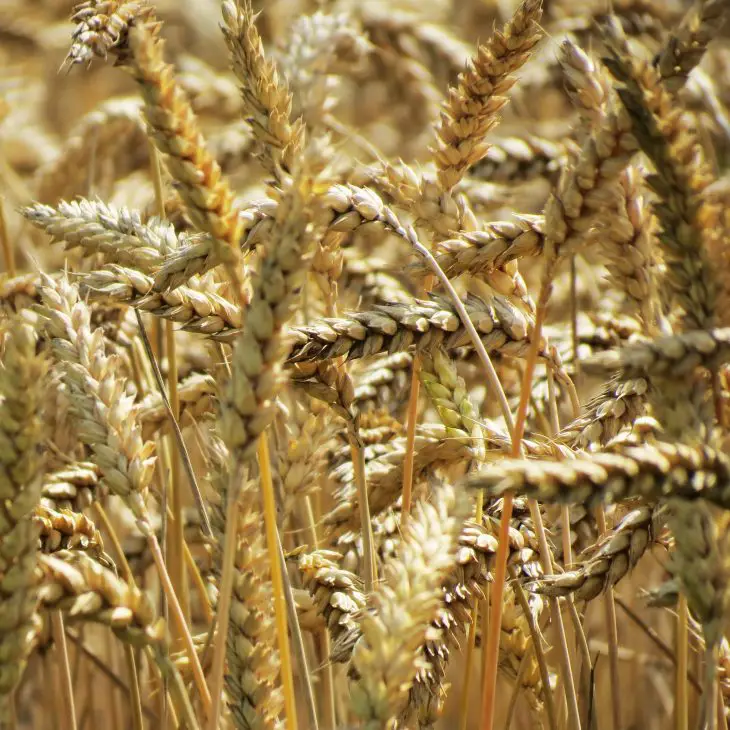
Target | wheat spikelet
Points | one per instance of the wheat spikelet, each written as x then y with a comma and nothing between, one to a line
371,281
182,264
430,44
72,488
301,462
685,48
248,408
677,354
472,108
581,195
104,413
688,222
404,603
449,395
174,130
700,563
648,471
585,84
252,679
491,248
22,382
197,394
337,593
17,293
628,243
616,555
619,405
384,382
463,586
118,234
198,307
66,530
385,475
423,323
321,47
267,101
520,160
102,25
261,348
84,590
330,384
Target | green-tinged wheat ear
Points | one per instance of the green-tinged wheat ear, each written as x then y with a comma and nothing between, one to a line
22,393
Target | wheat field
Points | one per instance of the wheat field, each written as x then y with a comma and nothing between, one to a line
365,364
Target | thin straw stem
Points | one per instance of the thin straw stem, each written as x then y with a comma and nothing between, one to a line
298,640
176,534
197,496
411,423
358,462
471,640
67,691
709,720
134,695
681,702
224,605
539,655
524,664
277,582
500,571
612,636
410,455
7,247
564,656
489,690
177,614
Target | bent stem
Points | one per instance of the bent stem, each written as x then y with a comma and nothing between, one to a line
177,614
539,655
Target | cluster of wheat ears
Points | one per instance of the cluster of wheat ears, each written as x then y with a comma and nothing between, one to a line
338,407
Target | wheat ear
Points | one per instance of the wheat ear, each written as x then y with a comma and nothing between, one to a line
472,108
688,220
22,385
404,604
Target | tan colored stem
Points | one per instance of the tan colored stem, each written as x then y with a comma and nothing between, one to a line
681,702
178,616
277,581
7,247
224,606
66,682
